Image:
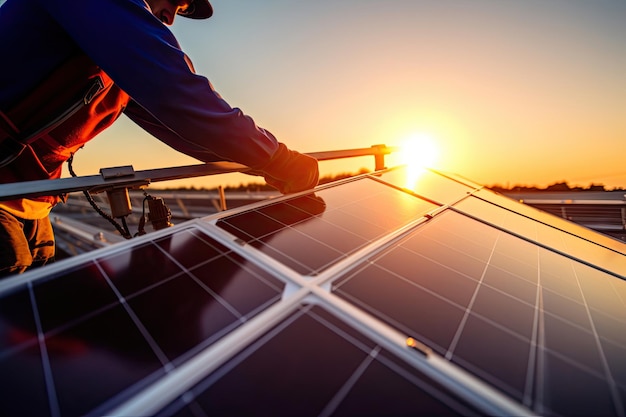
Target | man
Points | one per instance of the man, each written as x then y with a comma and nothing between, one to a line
70,68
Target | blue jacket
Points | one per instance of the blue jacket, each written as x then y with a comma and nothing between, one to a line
143,58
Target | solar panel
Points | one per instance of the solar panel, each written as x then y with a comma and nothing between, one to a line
552,221
311,232
573,242
370,295
519,316
341,377
105,329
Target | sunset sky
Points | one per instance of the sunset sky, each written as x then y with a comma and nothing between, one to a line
511,92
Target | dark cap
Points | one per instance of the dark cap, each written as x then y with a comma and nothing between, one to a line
198,9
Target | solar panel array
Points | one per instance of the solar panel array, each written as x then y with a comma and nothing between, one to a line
370,296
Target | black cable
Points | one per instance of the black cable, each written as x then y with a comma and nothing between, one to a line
122,230
127,232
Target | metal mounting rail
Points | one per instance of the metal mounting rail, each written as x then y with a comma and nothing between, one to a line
126,177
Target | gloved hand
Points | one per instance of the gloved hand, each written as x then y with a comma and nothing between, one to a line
290,171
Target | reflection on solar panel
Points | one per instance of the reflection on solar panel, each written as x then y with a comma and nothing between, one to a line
364,297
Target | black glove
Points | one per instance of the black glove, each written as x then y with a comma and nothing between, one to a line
290,171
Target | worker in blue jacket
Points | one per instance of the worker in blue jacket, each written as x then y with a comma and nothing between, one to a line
70,68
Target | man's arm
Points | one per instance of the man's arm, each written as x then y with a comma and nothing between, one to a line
142,57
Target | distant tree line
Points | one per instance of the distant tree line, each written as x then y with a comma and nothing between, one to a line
557,186
262,186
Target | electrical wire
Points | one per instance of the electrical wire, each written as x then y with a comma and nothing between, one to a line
122,229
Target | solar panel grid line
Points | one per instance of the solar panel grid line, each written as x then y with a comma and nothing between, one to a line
52,331
608,375
450,375
216,295
533,360
262,260
541,244
333,404
468,308
345,265
538,397
53,269
167,366
482,395
53,401
181,379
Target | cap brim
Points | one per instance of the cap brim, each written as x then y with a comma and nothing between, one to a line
198,9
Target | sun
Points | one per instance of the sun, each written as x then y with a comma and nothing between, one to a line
416,153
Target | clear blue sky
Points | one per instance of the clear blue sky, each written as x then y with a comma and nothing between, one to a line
512,92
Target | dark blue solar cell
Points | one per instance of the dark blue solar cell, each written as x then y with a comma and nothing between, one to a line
573,342
422,246
448,283
418,312
243,286
22,383
572,391
298,387
495,354
566,309
191,248
133,270
615,355
396,397
299,252
87,289
295,210
344,240
250,225
17,323
180,315
343,220
505,311
510,283
98,359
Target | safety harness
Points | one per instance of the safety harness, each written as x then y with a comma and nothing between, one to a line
38,134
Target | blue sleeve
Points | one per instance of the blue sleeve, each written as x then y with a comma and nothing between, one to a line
143,58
